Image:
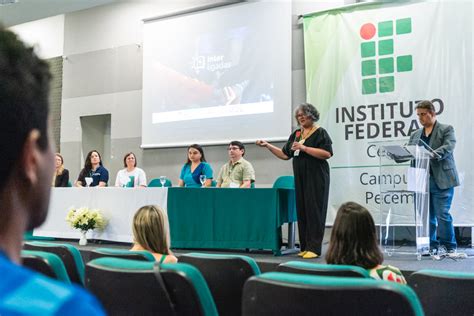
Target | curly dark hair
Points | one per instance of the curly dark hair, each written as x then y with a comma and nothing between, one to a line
308,110
88,163
24,92
353,238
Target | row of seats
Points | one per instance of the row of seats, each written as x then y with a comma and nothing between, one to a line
206,284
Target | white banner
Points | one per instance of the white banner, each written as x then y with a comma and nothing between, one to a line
366,68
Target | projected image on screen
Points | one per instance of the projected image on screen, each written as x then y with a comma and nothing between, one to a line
220,69
219,72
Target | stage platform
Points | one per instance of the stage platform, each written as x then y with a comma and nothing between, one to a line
267,262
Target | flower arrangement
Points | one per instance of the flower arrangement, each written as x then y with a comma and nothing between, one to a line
85,219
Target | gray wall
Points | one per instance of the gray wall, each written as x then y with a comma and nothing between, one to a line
55,96
102,74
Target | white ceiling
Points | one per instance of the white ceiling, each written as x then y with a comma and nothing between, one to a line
30,10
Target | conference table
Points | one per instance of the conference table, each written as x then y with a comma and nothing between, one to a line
117,205
229,218
199,218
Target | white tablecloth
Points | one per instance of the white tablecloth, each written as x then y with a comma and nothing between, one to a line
118,205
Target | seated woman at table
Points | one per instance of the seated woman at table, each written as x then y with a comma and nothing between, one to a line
354,242
61,175
195,169
150,233
93,170
131,176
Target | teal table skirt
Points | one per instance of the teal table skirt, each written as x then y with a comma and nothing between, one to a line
216,218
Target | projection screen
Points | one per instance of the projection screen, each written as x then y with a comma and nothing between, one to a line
217,75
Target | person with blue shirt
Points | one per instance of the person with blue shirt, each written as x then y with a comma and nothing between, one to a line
27,168
194,168
93,169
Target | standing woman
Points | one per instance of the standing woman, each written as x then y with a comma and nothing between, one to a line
131,176
310,147
61,176
194,168
93,169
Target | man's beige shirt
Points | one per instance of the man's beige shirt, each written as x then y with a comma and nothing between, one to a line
236,173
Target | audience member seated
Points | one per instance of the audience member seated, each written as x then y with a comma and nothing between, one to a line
354,242
25,185
238,172
61,175
194,168
131,176
150,233
93,170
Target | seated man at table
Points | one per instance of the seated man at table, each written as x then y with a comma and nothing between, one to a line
238,172
25,183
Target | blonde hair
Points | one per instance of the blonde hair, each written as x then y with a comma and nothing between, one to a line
149,229
61,168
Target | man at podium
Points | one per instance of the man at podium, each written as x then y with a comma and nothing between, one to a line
443,174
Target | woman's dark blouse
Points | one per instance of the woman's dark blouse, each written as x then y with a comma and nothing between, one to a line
62,180
305,162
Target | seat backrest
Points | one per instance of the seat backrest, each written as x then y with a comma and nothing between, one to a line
70,256
225,275
126,287
296,294
46,263
28,236
131,287
323,269
444,292
188,289
156,183
284,182
141,255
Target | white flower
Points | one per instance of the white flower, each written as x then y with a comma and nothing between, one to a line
85,219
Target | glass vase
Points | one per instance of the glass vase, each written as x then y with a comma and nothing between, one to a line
83,240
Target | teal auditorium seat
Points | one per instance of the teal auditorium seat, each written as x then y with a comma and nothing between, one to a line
444,292
296,294
156,183
28,235
46,263
141,255
225,275
128,287
70,256
284,182
323,269
69,184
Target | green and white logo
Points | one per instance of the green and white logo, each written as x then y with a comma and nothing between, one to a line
378,54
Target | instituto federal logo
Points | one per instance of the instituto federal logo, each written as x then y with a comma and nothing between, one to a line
378,58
